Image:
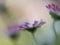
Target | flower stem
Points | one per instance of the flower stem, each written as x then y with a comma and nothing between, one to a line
35,39
15,42
55,32
54,28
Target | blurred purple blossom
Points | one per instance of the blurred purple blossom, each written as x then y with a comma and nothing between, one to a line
53,8
31,27
12,29
26,24
36,23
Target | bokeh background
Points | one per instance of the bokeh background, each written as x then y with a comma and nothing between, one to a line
29,10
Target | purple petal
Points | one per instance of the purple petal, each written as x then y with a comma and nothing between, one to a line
53,5
38,23
35,23
58,9
54,9
41,22
12,29
21,26
26,24
49,6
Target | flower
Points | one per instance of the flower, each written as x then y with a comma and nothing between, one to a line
54,10
13,31
34,26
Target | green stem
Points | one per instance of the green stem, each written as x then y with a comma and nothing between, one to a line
54,29
14,39
15,42
55,32
35,39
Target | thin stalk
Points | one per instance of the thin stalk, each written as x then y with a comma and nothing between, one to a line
35,39
55,32
54,29
15,42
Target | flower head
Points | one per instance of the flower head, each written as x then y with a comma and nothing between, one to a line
54,10
13,31
34,26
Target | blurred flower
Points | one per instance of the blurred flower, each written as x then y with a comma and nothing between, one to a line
34,26
54,11
13,31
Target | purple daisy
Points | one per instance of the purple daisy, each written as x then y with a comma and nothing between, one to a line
54,8
36,24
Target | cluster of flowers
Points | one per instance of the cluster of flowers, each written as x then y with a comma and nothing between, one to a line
54,11
13,30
